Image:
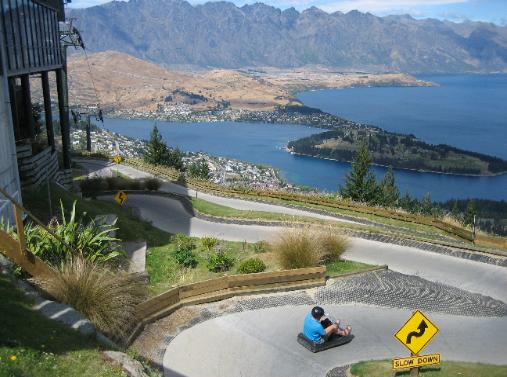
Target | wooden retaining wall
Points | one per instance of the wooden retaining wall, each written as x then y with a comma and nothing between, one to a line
35,169
223,288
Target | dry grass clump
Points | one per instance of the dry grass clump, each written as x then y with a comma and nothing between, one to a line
307,247
331,245
107,298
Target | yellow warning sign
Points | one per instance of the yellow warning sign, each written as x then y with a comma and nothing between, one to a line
117,158
416,361
416,332
121,197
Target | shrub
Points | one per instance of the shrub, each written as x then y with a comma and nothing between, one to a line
209,242
152,184
93,185
109,299
184,242
331,245
251,266
260,247
220,261
185,258
295,248
89,240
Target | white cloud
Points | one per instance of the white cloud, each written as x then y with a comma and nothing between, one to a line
381,5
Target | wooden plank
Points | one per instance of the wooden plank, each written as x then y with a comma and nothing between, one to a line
257,279
206,286
20,229
157,303
277,276
27,261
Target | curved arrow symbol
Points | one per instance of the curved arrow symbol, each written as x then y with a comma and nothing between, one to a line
422,329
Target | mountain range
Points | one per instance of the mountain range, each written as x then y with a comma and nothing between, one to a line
223,35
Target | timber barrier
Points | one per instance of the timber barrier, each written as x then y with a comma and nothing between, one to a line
223,288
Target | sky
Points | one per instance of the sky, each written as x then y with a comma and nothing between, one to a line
454,10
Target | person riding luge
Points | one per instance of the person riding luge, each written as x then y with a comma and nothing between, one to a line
318,328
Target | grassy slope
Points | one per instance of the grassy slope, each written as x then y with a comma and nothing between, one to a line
446,369
160,264
424,232
43,348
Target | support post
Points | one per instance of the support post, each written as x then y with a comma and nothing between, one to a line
63,107
88,135
46,93
27,104
414,372
14,108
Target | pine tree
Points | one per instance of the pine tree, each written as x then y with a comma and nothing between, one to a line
157,152
360,184
407,203
468,217
455,211
426,207
388,192
175,159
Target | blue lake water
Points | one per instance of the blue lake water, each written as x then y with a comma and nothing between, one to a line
466,111
263,143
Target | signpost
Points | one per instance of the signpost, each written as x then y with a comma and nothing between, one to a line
117,159
121,197
415,334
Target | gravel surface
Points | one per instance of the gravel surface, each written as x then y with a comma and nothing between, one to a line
392,289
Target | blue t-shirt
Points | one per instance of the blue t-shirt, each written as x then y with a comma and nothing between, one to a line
312,329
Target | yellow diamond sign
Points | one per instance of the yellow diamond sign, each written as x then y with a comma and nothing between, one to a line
117,159
416,332
120,197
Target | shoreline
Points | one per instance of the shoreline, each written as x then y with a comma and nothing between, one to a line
399,168
270,118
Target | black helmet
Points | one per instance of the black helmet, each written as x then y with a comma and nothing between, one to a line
317,312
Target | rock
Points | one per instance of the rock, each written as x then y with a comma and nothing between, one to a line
132,367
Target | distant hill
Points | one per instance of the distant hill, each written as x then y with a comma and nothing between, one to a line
220,34
124,82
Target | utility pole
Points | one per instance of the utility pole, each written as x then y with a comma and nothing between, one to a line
97,113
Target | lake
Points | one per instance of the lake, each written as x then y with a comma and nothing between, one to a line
466,111
264,143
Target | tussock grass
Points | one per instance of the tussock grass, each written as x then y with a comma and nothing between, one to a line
107,298
307,247
331,245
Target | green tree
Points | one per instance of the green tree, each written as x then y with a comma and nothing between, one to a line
158,152
455,211
388,192
199,169
360,184
407,203
426,206
468,217
175,159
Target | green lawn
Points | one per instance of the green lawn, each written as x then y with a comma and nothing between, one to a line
31,345
341,267
213,209
446,369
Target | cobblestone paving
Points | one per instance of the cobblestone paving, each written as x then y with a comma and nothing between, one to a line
338,372
392,289
296,298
